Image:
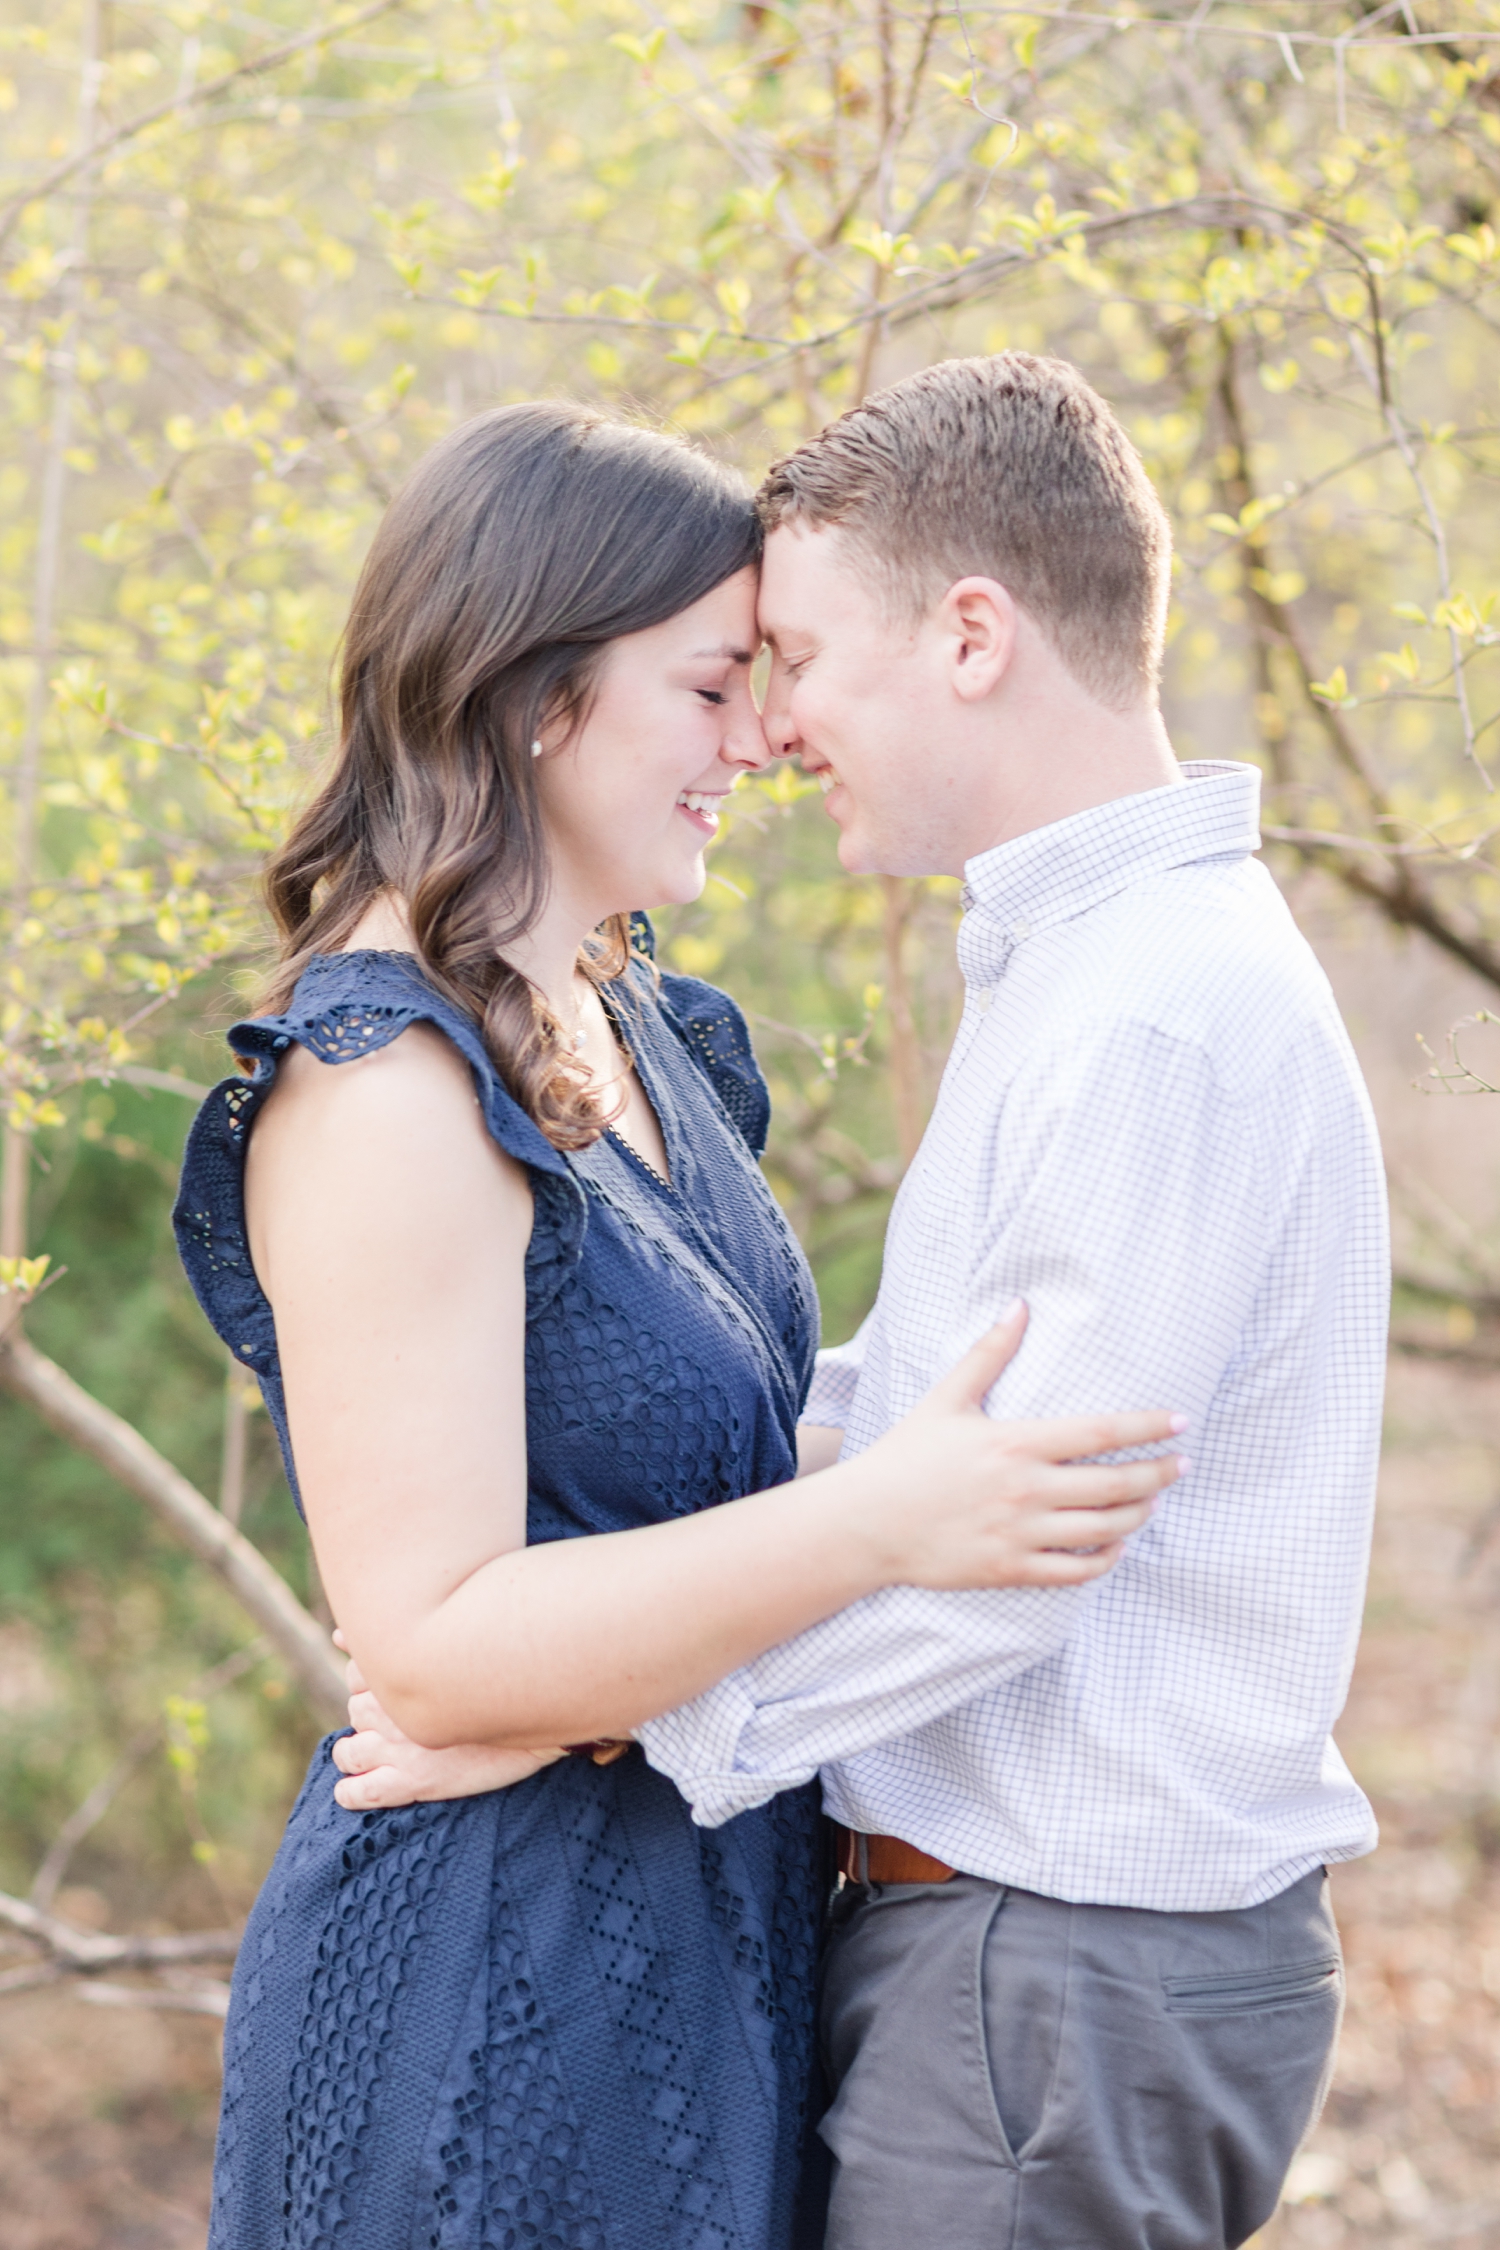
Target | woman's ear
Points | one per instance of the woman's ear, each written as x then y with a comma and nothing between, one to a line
978,620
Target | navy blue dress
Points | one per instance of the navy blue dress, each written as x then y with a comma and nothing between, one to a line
559,2015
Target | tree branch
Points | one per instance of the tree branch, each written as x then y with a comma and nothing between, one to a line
267,59
65,1951
1388,881
259,1589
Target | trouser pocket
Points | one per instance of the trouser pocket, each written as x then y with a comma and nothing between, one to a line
1249,1992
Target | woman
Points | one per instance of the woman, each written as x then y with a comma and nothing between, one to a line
523,1310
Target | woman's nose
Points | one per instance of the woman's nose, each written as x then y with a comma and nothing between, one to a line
745,742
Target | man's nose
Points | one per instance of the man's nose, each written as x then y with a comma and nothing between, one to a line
782,737
745,742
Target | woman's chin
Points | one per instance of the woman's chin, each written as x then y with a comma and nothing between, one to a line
677,886
686,884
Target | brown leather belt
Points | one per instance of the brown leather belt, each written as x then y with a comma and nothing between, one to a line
886,1859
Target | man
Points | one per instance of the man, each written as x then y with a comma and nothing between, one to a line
1086,1988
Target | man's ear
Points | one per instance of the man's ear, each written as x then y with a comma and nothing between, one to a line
977,618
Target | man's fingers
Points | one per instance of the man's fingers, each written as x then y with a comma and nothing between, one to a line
967,1383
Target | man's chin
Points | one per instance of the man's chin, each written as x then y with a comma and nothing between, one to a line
857,853
863,854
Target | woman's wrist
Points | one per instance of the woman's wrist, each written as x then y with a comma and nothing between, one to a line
851,1499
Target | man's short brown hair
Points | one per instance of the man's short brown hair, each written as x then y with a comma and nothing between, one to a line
1009,468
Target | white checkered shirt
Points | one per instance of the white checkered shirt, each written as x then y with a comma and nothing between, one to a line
1153,1128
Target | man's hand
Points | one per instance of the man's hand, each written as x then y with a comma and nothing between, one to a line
384,1767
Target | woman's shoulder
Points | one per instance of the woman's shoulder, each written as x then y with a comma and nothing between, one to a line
346,1007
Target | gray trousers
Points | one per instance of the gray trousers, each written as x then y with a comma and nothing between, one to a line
1014,2073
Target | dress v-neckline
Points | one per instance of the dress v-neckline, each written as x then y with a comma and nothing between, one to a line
612,1133
630,1054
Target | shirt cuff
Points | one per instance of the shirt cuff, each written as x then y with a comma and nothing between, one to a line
695,1747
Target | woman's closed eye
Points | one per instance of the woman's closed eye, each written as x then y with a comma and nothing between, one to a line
711,695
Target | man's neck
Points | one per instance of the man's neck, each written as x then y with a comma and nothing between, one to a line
1083,759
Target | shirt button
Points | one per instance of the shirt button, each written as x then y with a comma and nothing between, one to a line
984,996
1020,930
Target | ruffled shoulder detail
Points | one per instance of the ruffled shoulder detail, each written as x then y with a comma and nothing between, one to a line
715,1034
345,1005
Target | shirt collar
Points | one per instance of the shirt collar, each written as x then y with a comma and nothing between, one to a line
1056,872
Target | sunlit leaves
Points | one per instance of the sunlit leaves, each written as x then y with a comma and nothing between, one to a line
730,222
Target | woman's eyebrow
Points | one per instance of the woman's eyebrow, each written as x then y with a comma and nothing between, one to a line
734,655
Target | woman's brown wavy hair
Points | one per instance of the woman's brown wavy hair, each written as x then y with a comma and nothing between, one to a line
522,545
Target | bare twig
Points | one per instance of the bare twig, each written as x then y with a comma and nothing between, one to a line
1456,1076
161,1082
203,1996
87,1815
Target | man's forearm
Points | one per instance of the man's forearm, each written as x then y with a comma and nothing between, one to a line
883,1668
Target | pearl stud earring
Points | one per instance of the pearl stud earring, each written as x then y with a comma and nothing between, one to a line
536,749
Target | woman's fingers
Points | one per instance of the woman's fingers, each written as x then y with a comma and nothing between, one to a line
374,1791
361,1753
966,1384
1059,1567
1074,1437
367,1715
1114,1485
1079,1529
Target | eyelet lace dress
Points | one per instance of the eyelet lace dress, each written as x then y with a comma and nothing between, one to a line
556,2016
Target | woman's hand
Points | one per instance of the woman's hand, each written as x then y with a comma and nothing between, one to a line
967,1500
384,1767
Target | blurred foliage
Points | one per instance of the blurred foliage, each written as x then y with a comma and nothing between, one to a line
102,1618
251,265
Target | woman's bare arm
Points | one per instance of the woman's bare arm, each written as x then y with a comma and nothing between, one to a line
389,1233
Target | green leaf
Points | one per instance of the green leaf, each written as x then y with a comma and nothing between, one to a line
641,50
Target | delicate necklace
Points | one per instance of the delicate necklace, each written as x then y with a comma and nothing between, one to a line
578,1037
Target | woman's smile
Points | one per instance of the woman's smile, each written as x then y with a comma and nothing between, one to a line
701,807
